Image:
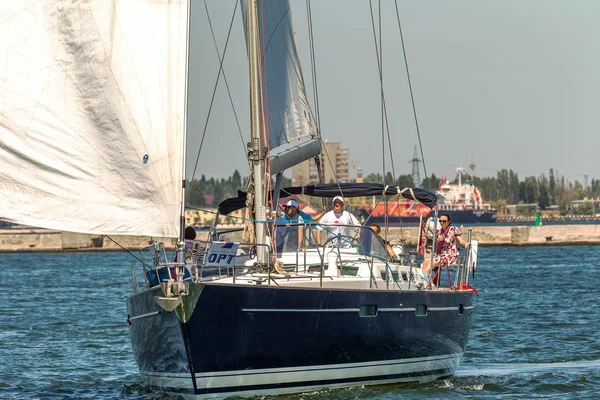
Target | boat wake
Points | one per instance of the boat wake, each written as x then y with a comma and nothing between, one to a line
465,371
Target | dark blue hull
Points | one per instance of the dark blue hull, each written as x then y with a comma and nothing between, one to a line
244,340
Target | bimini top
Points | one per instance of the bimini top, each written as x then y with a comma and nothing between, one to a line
336,189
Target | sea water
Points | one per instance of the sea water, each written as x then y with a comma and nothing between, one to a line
535,331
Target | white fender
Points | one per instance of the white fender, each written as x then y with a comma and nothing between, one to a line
430,227
398,250
332,264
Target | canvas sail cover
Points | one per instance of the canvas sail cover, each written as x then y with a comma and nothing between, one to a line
285,105
346,189
92,114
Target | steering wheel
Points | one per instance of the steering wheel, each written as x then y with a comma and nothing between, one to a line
343,239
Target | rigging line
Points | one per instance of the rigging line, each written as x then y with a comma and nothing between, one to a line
379,56
299,76
387,125
385,218
221,60
384,105
185,121
382,99
313,66
127,251
212,100
297,68
331,166
265,132
412,98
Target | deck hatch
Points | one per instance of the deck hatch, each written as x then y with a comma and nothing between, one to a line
395,276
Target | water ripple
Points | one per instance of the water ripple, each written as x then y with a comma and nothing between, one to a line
534,335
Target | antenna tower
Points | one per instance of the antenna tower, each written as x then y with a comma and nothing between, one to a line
459,171
472,168
415,169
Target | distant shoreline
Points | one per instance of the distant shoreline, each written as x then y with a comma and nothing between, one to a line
33,240
565,219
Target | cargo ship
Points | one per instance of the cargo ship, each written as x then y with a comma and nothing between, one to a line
462,201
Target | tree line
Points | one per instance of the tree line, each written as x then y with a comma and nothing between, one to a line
205,192
505,188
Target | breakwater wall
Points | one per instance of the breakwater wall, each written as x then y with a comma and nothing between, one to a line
32,240
517,235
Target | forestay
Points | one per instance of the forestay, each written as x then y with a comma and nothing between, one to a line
92,98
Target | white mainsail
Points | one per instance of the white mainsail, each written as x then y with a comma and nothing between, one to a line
92,98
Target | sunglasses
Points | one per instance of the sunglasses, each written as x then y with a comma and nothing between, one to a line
443,221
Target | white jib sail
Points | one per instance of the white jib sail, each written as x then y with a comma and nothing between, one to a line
92,114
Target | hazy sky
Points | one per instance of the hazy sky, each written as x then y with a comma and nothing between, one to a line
509,84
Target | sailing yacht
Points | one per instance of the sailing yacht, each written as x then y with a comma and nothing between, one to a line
92,140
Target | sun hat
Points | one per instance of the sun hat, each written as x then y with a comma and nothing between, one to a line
340,198
292,203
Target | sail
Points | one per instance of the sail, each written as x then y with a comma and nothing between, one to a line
92,109
286,110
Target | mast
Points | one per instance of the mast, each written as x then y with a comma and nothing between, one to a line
185,114
459,171
257,150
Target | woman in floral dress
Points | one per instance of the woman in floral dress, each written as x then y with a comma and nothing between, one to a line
446,248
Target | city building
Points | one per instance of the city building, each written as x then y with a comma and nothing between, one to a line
335,164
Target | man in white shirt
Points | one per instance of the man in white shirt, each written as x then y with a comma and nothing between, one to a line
335,223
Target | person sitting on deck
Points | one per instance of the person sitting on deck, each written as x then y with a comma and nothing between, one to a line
189,235
193,255
189,241
336,222
388,247
156,276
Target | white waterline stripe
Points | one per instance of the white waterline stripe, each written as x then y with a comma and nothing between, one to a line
344,310
315,378
313,368
300,310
